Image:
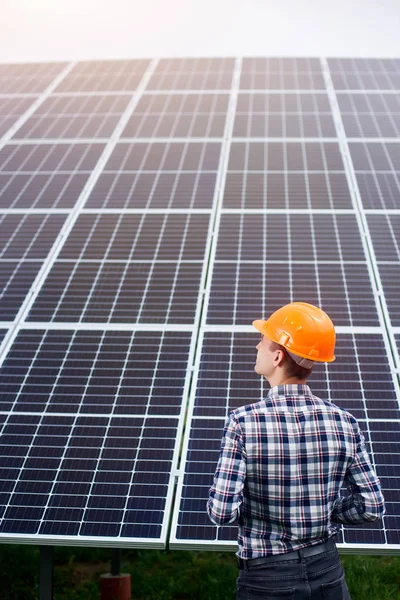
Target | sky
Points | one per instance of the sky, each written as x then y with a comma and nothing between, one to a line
51,30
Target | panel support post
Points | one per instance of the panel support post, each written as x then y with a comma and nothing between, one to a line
115,585
46,573
116,561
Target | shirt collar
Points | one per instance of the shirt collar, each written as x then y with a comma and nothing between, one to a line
289,389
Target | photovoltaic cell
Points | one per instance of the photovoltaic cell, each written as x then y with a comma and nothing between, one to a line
44,69
385,436
11,108
179,115
375,156
160,190
49,157
78,495
25,241
28,77
265,261
55,190
110,67
227,380
74,117
93,456
281,73
127,268
287,190
370,115
365,73
281,156
286,175
95,372
173,156
28,236
112,75
240,291
115,293
377,167
137,237
158,175
16,279
283,115
385,234
300,237
192,74
379,190
45,176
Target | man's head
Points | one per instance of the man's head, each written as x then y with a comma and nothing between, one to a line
293,338
276,365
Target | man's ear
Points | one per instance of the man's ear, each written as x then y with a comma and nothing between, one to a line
278,359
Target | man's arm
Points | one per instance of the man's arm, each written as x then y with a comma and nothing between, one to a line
226,494
365,502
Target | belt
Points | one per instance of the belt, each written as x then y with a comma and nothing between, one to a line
292,555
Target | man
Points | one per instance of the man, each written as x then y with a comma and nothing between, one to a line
282,464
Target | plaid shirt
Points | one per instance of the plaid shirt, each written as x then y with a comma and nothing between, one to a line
282,464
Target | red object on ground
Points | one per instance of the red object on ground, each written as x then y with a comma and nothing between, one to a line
115,587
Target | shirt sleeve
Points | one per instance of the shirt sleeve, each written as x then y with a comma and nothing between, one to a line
226,493
365,501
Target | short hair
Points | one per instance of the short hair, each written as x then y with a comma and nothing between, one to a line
292,369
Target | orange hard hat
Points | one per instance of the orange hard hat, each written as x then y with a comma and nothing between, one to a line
303,329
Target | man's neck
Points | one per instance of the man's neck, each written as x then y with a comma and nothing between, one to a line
274,381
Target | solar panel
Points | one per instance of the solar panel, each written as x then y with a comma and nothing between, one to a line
281,74
226,380
158,176
385,235
278,238
179,115
46,176
28,236
127,268
25,241
30,78
192,74
292,115
75,117
96,370
376,167
88,434
11,108
286,175
365,73
150,210
170,156
370,115
104,76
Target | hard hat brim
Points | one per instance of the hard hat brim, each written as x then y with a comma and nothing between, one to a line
260,326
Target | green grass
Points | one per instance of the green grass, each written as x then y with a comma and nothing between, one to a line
163,575
373,577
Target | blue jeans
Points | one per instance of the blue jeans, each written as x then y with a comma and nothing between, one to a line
319,577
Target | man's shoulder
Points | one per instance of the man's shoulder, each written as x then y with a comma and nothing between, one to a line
336,409
249,409
269,405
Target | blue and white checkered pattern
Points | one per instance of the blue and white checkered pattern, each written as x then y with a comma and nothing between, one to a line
282,464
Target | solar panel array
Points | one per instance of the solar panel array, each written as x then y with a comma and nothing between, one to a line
149,211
